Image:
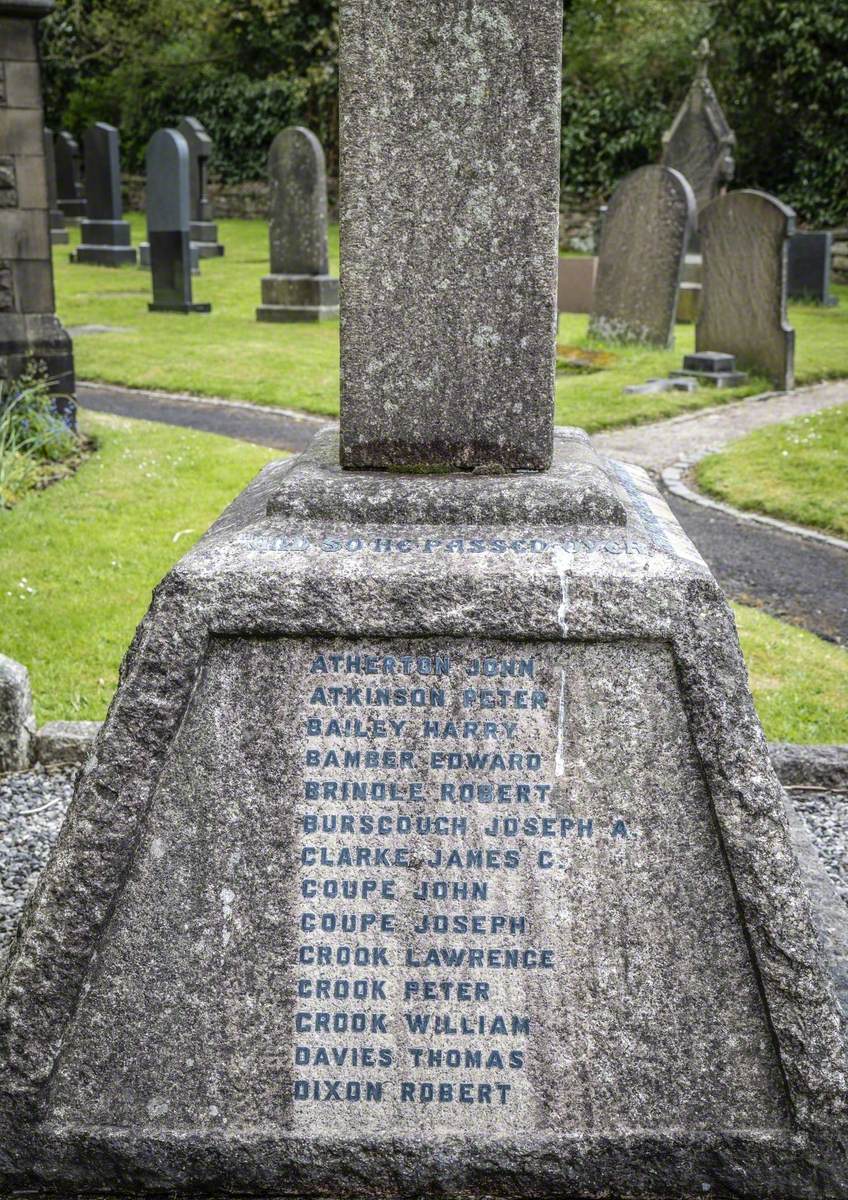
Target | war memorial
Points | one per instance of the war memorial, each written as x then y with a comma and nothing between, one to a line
431,844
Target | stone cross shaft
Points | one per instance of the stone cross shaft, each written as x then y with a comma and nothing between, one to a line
450,142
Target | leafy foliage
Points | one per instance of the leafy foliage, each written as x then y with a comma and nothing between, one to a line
248,68
32,436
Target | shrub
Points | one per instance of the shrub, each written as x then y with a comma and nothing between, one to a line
32,437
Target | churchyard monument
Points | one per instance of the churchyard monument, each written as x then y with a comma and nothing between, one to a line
700,142
646,229
300,287
31,335
810,259
431,844
68,182
744,238
167,209
55,216
105,236
204,231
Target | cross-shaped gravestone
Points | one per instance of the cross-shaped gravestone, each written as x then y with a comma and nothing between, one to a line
449,132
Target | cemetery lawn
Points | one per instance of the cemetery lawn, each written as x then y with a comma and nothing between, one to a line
228,353
80,560
797,471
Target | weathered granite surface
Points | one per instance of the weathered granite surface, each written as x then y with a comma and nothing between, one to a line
105,236
17,716
744,241
449,145
204,231
700,142
237,914
645,233
31,335
167,165
300,287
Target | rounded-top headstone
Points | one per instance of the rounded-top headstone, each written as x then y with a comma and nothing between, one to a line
167,164
647,226
298,230
744,243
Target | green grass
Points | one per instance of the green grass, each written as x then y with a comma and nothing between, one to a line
797,471
225,353
229,353
799,682
79,562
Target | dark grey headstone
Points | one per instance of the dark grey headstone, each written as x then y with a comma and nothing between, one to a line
643,243
203,229
31,336
810,256
104,237
69,186
449,218
168,222
700,142
299,287
58,230
744,241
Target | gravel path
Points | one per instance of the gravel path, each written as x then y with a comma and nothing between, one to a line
27,835
248,422
664,443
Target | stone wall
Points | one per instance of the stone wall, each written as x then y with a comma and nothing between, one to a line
840,255
578,222
230,201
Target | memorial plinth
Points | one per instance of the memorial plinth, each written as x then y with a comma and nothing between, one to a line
404,837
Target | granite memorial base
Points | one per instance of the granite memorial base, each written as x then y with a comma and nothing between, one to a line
299,298
105,244
711,367
204,236
430,847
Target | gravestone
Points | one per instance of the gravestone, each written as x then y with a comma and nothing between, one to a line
69,186
104,236
640,260
300,287
700,142
204,231
167,169
810,256
431,844
31,336
55,216
744,239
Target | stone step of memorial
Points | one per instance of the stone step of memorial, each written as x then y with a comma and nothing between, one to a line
712,367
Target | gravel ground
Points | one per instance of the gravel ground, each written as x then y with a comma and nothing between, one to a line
27,835
826,817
